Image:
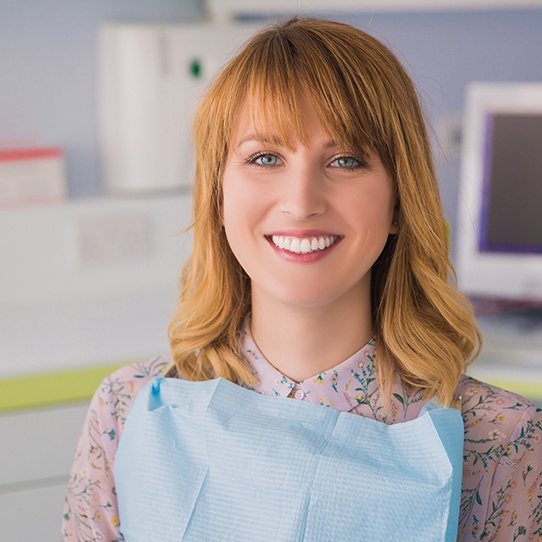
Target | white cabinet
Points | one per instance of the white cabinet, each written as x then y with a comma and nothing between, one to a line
85,313
151,77
36,452
32,515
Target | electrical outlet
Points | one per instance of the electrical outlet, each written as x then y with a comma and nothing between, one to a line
112,239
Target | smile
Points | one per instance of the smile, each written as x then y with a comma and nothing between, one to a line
305,245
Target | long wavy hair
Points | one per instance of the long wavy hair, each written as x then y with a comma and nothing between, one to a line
424,327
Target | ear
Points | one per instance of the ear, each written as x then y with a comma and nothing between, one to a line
394,227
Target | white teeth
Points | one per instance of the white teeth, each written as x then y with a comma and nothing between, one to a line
321,243
303,246
295,246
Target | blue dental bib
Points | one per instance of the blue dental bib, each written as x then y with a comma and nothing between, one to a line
212,461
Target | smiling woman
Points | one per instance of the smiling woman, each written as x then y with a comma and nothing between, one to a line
320,280
332,78
303,196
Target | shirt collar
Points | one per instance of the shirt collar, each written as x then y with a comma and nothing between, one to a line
338,387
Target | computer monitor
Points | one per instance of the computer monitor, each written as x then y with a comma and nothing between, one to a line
499,232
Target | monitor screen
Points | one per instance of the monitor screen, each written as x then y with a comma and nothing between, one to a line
499,237
511,217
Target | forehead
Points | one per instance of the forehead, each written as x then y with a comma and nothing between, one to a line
257,121
265,120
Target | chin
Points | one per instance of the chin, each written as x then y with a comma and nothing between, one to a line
305,297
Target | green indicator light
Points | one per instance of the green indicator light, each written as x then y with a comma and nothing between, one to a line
195,68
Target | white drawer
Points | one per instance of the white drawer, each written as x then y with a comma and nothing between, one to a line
38,445
32,516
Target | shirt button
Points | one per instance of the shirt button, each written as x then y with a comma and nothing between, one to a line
299,394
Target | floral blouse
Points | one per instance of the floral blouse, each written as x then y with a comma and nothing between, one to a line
502,473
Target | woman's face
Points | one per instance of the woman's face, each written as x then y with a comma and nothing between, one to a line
305,224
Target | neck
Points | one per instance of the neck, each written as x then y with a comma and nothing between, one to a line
303,342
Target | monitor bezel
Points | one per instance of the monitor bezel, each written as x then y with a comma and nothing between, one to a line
494,274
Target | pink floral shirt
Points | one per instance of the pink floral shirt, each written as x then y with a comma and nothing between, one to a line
502,475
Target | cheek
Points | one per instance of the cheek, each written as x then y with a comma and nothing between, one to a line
373,208
239,215
230,198
233,202
243,201
233,189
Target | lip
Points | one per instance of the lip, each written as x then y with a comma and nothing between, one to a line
302,234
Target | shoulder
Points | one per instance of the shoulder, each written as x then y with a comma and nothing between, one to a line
470,388
502,430
139,373
117,392
479,399
492,413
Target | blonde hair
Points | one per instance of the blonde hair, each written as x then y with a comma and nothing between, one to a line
424,328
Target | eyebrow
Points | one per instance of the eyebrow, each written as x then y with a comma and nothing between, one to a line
254,137
277,141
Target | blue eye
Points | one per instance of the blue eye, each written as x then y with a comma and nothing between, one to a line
346,162
265,160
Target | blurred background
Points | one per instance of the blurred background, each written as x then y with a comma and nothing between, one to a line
95,187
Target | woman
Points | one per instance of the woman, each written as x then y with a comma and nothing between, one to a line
319,272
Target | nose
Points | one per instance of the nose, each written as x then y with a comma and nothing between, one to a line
303,196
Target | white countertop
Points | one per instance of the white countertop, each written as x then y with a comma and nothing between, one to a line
48,337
